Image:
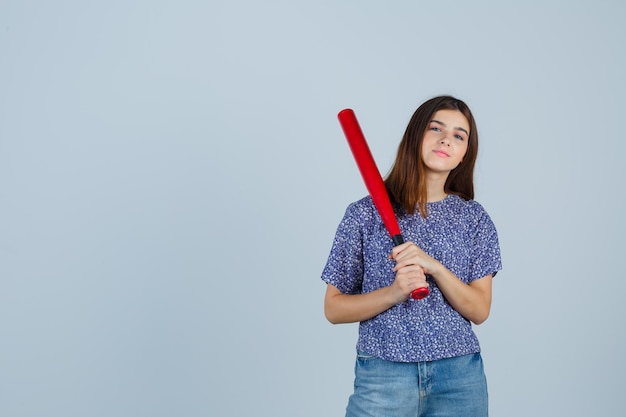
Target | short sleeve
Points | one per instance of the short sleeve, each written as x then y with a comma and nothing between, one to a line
486,259
344,267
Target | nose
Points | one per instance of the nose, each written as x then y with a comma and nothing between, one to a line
444,140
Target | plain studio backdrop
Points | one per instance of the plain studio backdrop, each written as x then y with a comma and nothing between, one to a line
172,174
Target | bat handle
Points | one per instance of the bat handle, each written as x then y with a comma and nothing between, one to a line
417,293
397,240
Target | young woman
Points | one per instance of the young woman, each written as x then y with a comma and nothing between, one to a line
419,357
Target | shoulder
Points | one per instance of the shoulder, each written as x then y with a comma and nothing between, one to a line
359,215
363,208
470,206
469,209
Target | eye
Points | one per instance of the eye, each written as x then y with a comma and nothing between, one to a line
459,137
435,129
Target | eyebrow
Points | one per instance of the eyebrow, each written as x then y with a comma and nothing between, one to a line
444,125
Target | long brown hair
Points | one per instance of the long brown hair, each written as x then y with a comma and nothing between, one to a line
406,181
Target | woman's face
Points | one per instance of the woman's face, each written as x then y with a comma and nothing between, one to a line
445,141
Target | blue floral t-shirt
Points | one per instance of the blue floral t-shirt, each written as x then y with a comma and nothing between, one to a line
458,233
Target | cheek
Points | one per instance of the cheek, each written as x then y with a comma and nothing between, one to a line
463,150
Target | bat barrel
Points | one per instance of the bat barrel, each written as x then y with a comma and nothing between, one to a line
369,171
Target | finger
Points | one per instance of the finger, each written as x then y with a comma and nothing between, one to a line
411,272
397,250
403,258
407,260
406,268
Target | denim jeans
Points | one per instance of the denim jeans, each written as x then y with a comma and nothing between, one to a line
454,387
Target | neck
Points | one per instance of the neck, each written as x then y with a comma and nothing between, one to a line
435,187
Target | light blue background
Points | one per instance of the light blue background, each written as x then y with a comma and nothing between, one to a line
172,174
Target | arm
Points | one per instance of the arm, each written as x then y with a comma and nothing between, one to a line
351,308
472,301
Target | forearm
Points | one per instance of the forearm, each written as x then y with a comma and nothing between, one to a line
352,308
472,301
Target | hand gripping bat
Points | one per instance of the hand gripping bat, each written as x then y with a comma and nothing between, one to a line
373,181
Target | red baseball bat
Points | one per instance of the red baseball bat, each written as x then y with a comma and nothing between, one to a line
373,181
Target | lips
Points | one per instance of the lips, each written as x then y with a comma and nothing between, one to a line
441,153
